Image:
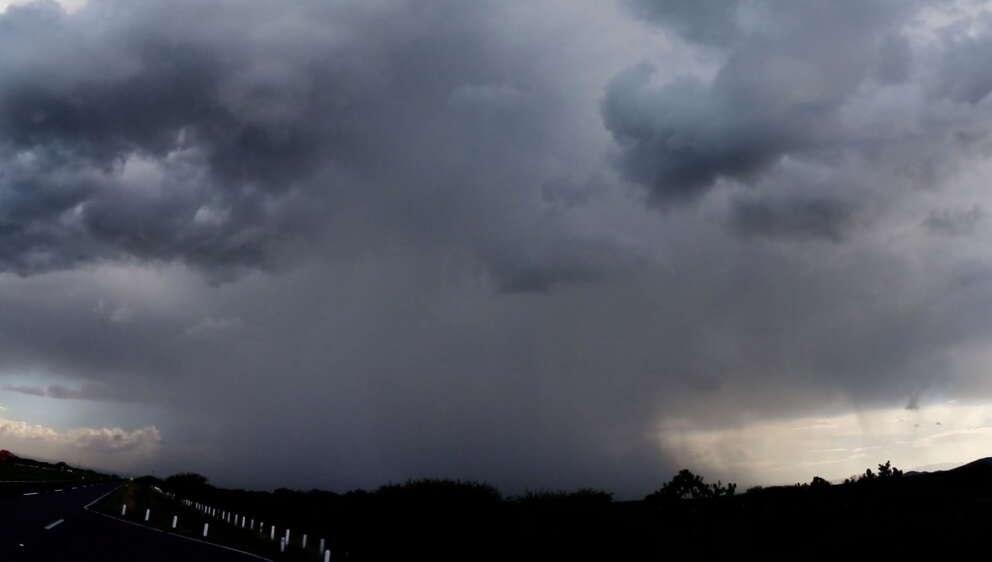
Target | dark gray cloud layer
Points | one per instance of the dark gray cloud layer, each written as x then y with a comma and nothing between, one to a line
227,135
454,236
60,392
795,218
803,81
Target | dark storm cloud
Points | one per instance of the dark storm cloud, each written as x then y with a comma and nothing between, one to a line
434,268
226,135
137,139
788,88
712,22
797,218
955,222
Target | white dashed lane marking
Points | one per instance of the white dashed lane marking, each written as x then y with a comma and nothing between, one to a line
53,524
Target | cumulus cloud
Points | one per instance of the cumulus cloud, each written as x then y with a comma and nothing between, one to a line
112,440
128,131
851,92
113,448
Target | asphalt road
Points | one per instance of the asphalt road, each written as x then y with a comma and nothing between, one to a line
29,532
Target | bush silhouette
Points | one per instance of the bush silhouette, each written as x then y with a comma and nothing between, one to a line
886,473
186,483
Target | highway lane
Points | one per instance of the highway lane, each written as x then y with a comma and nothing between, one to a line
52,526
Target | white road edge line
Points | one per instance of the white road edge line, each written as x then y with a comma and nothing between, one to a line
119,520
53,524
31,494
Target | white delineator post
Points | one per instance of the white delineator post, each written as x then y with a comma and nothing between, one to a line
123,509
205,527
287,536
175,519
148,514
282,545
327,555
272,535
304,540
321,549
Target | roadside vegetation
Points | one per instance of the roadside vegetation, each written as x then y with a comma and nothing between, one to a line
140,495
18,474
462,520
448,520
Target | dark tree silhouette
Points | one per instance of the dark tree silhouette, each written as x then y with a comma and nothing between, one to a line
186,483
886,472
819,483
686,485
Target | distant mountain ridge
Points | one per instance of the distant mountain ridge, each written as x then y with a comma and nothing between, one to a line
983,463
978,464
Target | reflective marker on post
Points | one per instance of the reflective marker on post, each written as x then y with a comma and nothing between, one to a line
148,513
304,540
123,510
205,527
282,545
321,549
175,519
327,555
272,535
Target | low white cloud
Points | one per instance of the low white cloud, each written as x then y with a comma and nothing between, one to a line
112,439
103,448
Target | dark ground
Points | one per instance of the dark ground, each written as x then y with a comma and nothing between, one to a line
87,536
935,516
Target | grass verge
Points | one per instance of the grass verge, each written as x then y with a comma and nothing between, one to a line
139,498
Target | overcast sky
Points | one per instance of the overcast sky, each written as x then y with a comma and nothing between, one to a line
541,243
